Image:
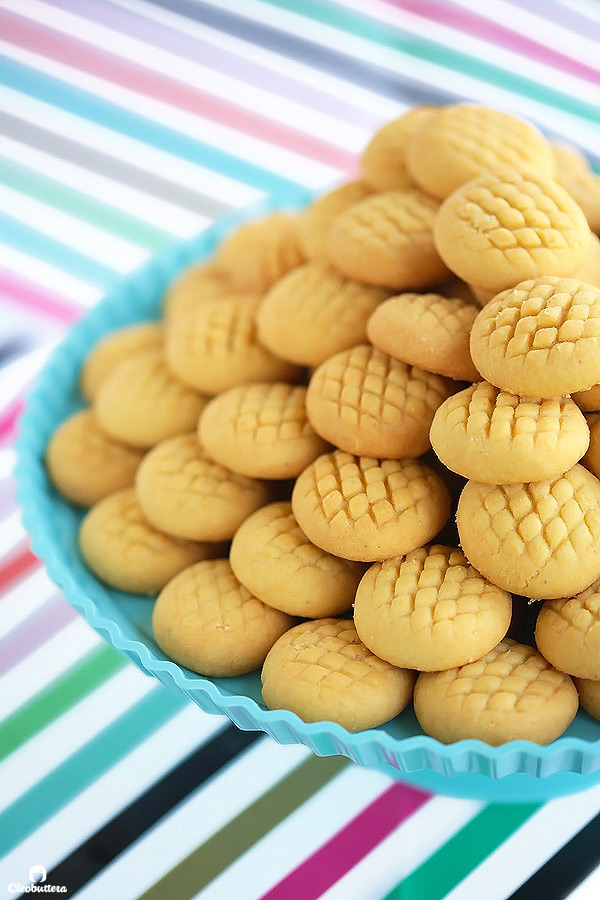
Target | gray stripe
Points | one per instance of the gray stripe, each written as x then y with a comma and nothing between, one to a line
115,169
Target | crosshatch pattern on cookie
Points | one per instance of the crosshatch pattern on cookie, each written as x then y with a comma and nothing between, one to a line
435,312
267,413
259,253
126,529
392,219
217,327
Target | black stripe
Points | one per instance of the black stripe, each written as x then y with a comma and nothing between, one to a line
87,860
567,869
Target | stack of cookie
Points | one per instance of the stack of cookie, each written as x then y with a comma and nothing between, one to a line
262,459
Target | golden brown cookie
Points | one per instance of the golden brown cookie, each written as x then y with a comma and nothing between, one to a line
259,253
113,349
540,339
261,430
315,312
567,633
141,402
503,228
591,460
460,142
387,239
511,694
427,330
541,540
369,509
320,670
186,493
195,284
275,560
579,179
383,162
316,220
123,549
205,620
588,401
216,347
85,465
499,438
589,695
430,610
367,403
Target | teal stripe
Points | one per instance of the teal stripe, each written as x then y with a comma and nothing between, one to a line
81,103
85,766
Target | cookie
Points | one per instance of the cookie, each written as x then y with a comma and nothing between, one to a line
85,465
460,142
567,633
588,401
185,493
260,253
216,347
316,220
113,349
142,403
195,284
315,312
365,402
320,670
427,330
383,162
511,694
576,175
591,460
541,540
589,695
387,239
207,621
275,560
430,610
499,438
369,509
589,270
123,549
541,338
503,228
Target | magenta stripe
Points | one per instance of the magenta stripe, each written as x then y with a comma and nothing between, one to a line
8,420
346,849
37,628
36,298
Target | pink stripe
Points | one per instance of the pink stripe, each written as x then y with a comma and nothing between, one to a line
8,420
33,297
340,854
134,77
54,615
471,23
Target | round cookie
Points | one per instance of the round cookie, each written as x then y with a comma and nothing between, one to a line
369,509
187,494
383,162
503,228
315,312
207,621
123,549
576,175
275,560
216,347
85,465
142,403
259,253
589,695
588,401
567,633
460,142
430,610
499,438
541,338
591,460
367,403
195,284
541,540
387,239
113,349
316,220
427,330
511,694
320,670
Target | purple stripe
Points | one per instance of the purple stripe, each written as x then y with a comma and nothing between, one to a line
557,12
37,628
194,49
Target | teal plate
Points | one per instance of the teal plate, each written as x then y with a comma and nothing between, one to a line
516,772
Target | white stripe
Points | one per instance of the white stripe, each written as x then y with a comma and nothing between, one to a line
588,8
111,793
24,599
589,889
270,105
134,152
156,212
46,275
8,458
12,531
18,375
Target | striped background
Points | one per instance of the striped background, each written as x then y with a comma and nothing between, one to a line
126,125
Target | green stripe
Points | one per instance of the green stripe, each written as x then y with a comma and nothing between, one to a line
58,697
395,39
85,766
464,852
223,848
66,199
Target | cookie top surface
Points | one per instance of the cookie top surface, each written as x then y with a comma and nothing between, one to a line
315,221
541,338
383,162
259,253
195,284
368,509
113,349
567,633
495,437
